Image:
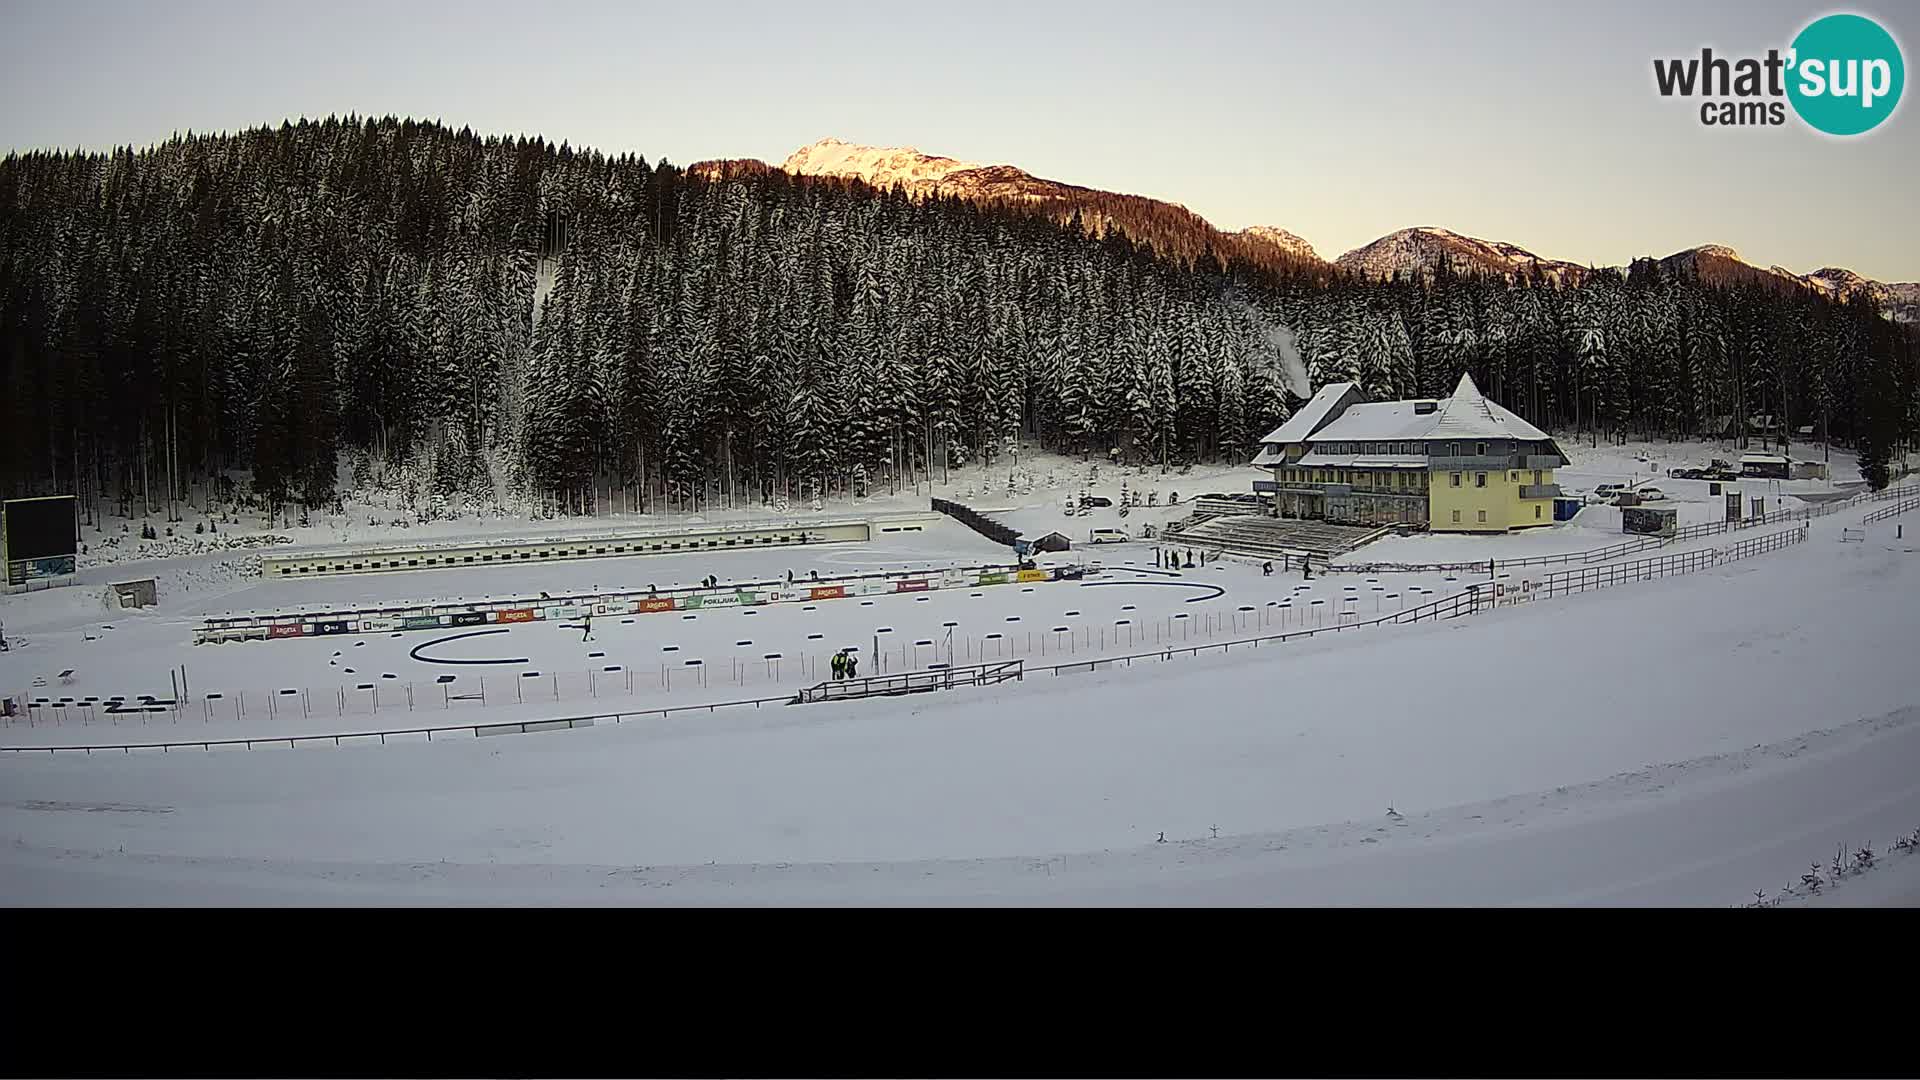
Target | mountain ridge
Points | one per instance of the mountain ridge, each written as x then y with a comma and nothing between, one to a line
1172,228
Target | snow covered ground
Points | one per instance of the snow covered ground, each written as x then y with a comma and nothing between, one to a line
1521,752
1131,607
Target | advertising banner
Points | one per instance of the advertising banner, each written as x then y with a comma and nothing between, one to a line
468,618
992,579
420,622
280,630
1032,575
689,602
334,627
515,615
22,571
910,586
660,603
829,592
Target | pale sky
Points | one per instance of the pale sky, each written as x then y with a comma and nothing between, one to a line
1534,123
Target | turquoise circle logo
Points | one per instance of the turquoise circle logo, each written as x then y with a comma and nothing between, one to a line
1847,74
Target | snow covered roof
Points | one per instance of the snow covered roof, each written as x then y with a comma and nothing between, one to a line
1465,415
1763,459
1314,413
1270,454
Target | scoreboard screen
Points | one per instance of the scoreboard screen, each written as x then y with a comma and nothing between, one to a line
39,538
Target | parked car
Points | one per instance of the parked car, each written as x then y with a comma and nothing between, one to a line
1607,492
1649,494
1108,536
1687,474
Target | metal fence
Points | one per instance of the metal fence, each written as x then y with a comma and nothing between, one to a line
417,734
1892,511
1687,562
936,677
1474,598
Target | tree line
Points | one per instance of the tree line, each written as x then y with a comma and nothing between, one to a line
509,322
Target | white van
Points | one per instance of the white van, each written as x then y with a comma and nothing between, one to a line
1108,536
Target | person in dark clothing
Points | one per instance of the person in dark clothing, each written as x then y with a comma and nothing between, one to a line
586,627
1189,558
789,578
853,666
1306,569
813,575
1266,568
652,589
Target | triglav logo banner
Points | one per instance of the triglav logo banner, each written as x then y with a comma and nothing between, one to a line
1842,75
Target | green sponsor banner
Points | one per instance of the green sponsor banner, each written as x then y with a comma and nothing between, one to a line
690,601
749,598
992,579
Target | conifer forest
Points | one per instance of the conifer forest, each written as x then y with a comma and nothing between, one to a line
506,322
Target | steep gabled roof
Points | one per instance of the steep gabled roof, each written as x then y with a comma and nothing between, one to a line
1314,414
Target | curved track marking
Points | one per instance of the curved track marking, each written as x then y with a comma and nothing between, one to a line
415,651
1215,590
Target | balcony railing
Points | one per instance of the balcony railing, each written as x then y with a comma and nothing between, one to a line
1539,491
1473,463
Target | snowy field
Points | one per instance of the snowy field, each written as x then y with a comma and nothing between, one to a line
1680,741
662,659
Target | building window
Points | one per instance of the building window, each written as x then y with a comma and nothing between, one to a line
1456,479
1483,517
1456,517
1513,477
1479,479
1536,478
1480,449
1536,511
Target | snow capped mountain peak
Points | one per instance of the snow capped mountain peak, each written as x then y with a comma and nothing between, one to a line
880,166
1419,250
1281,239
1721,251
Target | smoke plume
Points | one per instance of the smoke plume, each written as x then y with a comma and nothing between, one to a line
1280,340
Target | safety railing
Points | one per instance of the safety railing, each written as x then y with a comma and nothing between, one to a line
1892,511
1687,562
936,677
417,734
1474,598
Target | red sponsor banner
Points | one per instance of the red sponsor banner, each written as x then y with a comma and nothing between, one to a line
657,604
829,592
516,615
279,630
909,586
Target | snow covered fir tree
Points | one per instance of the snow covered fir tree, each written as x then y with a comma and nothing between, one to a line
509,322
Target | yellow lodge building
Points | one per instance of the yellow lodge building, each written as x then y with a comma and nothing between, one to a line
1457,464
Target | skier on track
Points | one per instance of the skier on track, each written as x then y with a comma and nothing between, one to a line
586,627
1266,568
